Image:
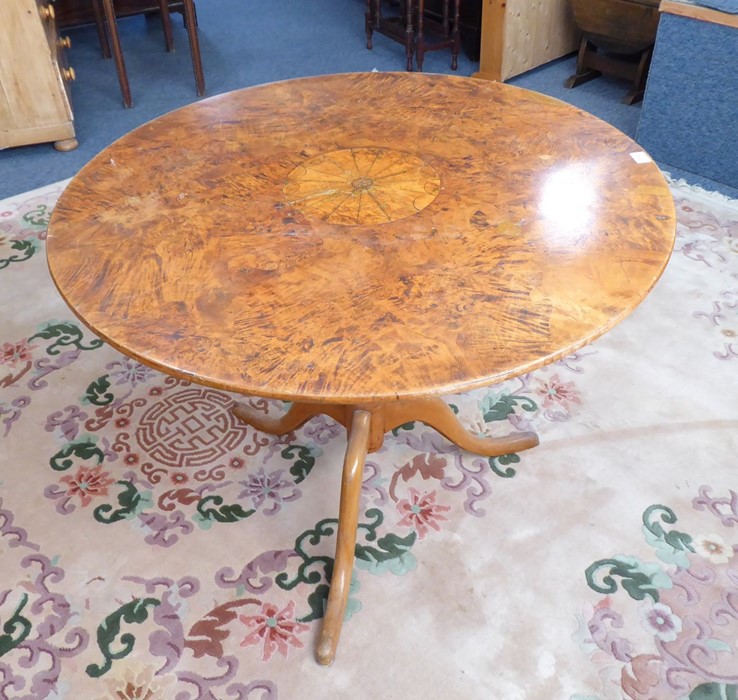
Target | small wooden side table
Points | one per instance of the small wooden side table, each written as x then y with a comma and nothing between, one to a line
411,27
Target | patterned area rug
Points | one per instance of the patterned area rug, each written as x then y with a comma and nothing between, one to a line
152,547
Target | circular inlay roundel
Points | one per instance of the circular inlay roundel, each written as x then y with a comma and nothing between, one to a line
192,428
355,186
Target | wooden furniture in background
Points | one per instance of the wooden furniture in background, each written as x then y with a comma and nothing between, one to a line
108,29
362,268
72,13
417,30
470,23
518,35
104,13
617,39
35,104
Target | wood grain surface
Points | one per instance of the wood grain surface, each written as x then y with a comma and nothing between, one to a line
246,242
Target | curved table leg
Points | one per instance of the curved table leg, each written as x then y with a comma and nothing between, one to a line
436,413
366,426
297,415
348,519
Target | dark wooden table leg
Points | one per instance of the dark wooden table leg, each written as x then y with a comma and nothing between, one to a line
166,21
456,36
100,27
369,22
120,65
191,20
420,36
409,33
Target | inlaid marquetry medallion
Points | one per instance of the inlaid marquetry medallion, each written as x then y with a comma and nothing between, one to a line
355,186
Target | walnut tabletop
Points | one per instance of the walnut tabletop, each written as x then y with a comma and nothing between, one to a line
360,244
361,237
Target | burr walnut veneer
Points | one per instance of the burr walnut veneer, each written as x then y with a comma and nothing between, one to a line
359,245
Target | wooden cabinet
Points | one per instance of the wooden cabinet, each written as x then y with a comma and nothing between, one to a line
34,77
518,35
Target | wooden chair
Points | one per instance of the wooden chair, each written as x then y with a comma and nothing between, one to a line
105,20
410,26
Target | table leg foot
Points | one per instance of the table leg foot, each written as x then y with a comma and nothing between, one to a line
297,415
436,414
348,519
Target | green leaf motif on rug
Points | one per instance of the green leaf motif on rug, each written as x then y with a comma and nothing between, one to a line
672,546
504,460
16,625
499,406
97,392
130,500
304,456
27,249
391,554
639,579
39,216
714,691
82,449
229,513
134,612
318,601
65,333
317,570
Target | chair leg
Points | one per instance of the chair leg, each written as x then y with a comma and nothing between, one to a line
191,20
409,33
369,22
100,26
120,65
456,36
166,20
420,36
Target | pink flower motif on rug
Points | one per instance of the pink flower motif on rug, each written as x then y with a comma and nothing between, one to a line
15,353
558,398
421,512
88,483
276,629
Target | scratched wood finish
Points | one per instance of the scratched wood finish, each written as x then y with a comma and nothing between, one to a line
520,229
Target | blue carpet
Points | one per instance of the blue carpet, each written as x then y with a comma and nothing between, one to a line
246,43
689,115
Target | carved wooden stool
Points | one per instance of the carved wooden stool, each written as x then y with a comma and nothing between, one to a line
409,27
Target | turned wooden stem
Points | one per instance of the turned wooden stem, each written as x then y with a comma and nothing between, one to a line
348,519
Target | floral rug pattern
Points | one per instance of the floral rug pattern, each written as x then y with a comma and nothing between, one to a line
152,546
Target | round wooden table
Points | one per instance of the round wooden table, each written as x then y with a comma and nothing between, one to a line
359,245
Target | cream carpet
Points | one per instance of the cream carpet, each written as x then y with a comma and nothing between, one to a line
152,547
